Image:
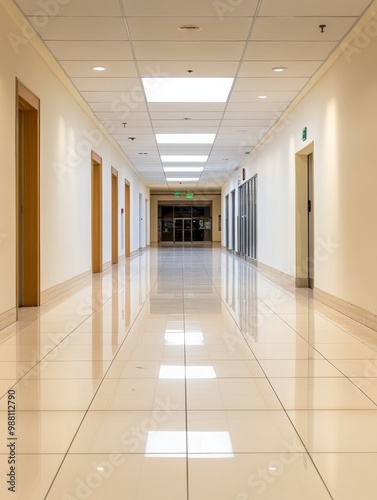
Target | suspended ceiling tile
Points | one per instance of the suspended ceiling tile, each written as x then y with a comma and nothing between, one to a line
114,69
107,84
263,69
265,84
71,8
255,115
317,8
301,28
200,8
186,149
180,68
123,101
245,123
211,29
183,107
257,106
286,51
86,50
81,28
272,96
188,51
180,115
162,125
174,128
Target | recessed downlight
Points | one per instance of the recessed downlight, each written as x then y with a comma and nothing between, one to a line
99,68
262,97
279,69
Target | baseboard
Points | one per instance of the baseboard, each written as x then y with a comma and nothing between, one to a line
360,315
8,317
287,279
302,282
69,285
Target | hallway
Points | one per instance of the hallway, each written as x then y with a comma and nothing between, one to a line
187,374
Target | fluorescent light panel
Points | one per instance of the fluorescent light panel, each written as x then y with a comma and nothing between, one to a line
184,158
187,89
182,179
185,138
183,169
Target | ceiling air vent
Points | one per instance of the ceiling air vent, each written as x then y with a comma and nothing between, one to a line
189,27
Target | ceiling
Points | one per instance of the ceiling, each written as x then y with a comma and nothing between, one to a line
243,39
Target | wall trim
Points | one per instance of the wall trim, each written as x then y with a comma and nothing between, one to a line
55,291
287,278
354,312
302,282
8,317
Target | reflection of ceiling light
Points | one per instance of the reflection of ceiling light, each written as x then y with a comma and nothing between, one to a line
179,372
204,444
184,158
279,69
183,169
185,138
99,68
187,89
182,179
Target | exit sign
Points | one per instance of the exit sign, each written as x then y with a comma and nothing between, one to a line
304,133
190,196
177,194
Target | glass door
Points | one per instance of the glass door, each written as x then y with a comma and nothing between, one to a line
178,230
187,230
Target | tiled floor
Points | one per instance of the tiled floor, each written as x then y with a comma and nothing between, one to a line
185,374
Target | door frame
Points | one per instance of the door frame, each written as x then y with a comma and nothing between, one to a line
96,194
302,219
114,216
28,286
127,219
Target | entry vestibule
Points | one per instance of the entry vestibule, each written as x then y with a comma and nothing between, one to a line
185,223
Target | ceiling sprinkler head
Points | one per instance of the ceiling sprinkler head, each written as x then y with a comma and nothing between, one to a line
322,27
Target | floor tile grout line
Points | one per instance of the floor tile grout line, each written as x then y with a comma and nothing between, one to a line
96,392
286,413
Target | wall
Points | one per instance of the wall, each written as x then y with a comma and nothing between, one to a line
216,211
340,113
69,131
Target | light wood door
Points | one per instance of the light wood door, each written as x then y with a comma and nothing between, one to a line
28,198
96,213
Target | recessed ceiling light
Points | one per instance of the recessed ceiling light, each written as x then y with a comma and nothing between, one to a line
99,68
262,97
279,69
189,27
185,138
184,158
183,169
182,179
187,89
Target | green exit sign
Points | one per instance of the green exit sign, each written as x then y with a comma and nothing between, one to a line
304,133
177,194
190,196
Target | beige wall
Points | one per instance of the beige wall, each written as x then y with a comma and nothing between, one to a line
69,132
340,113
216,211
